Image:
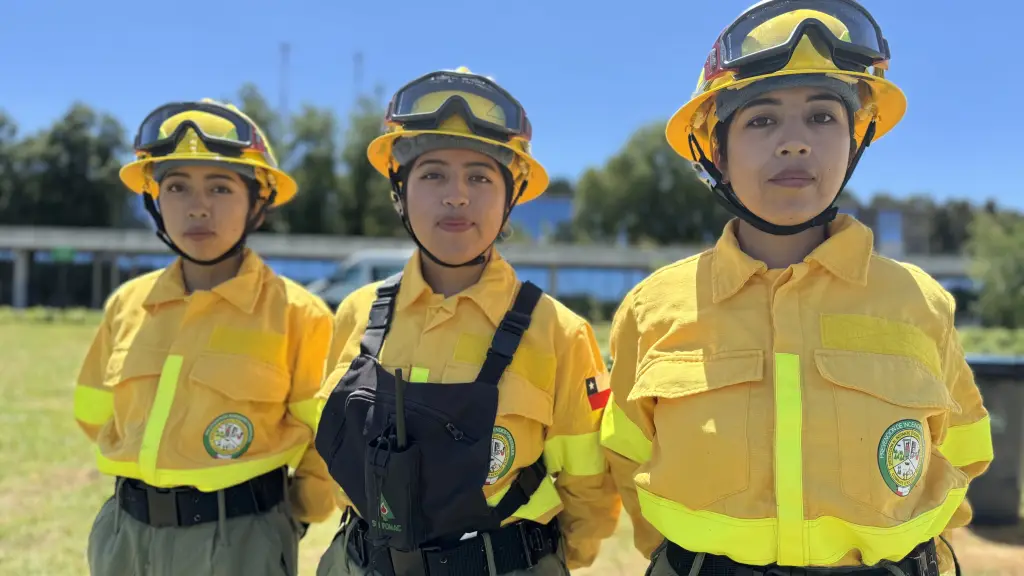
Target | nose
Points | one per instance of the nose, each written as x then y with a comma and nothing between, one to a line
198,207
457,195
793,148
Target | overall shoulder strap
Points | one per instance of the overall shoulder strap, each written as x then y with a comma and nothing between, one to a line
520,491
380,316
509,334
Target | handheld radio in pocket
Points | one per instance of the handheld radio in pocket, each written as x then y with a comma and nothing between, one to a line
392,479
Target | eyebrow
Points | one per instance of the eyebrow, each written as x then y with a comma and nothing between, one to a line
474,164
214,176
763,102
487,165
428,162
824,97
819,97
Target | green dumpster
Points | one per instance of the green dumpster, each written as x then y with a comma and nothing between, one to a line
995,496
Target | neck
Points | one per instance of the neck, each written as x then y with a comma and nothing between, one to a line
779,251
449,281
198,277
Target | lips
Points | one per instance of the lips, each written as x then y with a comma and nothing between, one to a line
793,178
199,233
454,224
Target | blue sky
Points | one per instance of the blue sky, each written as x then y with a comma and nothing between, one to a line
589,73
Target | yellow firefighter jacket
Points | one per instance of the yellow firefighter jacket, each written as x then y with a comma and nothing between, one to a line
820,415
212,388
550,400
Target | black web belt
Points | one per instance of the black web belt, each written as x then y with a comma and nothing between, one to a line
922,561
517,546
187,506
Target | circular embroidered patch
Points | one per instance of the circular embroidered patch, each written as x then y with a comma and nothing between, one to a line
503,453
901,454
228,436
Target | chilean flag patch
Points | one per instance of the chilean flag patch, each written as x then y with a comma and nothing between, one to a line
598,392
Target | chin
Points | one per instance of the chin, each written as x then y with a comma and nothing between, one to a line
457,256
790,215
202,253
454,258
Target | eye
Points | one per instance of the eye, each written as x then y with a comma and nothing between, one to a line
760,122
480,179
222,190
823,118
175,187
430,176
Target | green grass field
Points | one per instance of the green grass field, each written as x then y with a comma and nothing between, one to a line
50,491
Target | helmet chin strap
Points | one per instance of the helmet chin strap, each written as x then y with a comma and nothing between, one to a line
727,198
398,197
250,226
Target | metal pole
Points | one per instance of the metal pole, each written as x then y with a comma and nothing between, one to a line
22,261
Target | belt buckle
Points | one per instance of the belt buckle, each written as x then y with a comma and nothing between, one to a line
162,507
533,541
412,563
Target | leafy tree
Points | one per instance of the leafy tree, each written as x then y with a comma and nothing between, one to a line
995,247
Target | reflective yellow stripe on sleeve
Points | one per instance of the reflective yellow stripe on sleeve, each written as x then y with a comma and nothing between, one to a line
543,500
306,411
968,443
576,454
93,405
622,436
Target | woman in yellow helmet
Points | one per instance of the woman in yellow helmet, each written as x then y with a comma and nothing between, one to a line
199,387
463,408
788,402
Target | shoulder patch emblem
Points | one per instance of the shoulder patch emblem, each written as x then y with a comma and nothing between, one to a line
228,436
503,453
901,456
598,391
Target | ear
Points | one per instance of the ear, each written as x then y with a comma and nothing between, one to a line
720,163
256,209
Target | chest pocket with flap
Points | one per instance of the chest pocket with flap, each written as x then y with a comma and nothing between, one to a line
132,375
700,419
884,404
236,400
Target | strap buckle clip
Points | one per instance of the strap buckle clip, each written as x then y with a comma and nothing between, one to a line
162,507
533,542
510,332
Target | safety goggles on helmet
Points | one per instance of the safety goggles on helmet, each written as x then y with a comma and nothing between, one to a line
222,130
489,110
762,40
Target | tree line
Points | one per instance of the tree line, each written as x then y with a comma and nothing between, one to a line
66,175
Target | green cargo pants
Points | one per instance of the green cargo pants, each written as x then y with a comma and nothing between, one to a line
336,560
260,545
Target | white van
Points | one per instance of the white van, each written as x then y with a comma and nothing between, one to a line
362,268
